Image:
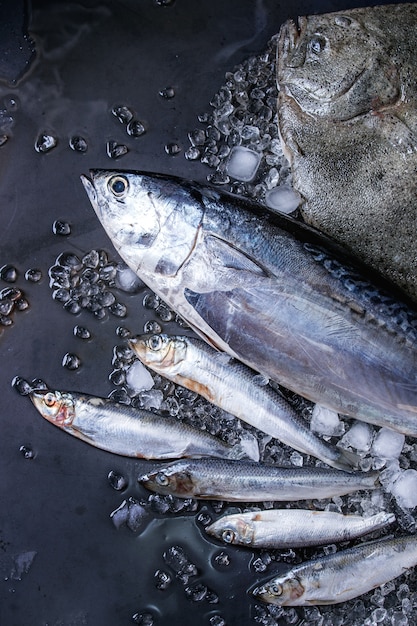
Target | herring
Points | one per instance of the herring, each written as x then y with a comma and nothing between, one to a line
294,528
341,576
229,384
127,431
262,289
245,481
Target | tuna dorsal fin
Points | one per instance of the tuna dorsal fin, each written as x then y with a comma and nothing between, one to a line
230,257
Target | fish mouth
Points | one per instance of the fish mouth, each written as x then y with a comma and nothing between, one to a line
289,36
90,189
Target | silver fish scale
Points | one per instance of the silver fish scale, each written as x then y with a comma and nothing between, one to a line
399,318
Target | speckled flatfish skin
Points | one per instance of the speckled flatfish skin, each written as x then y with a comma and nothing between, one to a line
348,122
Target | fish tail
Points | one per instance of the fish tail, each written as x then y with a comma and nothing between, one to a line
347,460
247,448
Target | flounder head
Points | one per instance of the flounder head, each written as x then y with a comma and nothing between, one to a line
336,65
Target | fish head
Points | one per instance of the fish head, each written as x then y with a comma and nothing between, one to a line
58,408
149,218
282,591
172,479
336,65
160,352
232,529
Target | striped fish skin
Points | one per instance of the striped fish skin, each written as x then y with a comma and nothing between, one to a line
266,291
124,430
294,528
230,385
341,576
244,481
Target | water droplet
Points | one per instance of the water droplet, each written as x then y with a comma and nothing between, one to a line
5,321
33,275
70,260
196,593
167,93
123,113
144,619
45,143
78,144
82,332
115,150
165,313
117,481
192,154
152,327
118,309
73,307
38,383
172,149
217,620
71,361
222,559
13,293
117,377
120,396
3,140
176,558
22,304
162,579
21,386
151,301
91,259
135,128
61,228
61,295
107,273
6,306
123,332
8,273
27,452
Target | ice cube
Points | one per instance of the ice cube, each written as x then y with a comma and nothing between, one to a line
138,378
388,444
359,437
325,421
243,163
404,489
282,199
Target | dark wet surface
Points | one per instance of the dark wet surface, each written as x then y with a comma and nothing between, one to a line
62,560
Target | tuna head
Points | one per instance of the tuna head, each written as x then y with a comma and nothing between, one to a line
336,65
145,217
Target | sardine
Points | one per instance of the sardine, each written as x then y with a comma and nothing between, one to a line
124,430
263,290
347,113
244,481
341,576
231,385
294,528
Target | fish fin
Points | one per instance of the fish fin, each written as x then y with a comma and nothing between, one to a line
230,257
348,460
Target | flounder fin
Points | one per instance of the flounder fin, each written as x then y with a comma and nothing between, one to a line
232,258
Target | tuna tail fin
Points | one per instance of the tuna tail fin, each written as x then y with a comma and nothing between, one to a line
347,460
247,448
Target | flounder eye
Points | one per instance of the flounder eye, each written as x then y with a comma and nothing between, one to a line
155,342
118,185
161,479
317,44
228,536
49,399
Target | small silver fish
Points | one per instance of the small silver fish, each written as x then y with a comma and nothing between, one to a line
230,385
341,576
294,528
127,431
245,481
262,289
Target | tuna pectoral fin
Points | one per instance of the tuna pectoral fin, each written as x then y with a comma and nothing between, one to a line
230,257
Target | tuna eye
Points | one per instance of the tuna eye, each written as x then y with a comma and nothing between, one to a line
228,536
49,399
155,342
276,590
161,479
317,44
118,185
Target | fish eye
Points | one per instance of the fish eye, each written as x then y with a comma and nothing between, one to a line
276,590
155,342
161,479
49,399
228,536
118,185
317,44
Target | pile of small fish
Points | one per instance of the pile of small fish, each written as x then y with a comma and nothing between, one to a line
272,300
